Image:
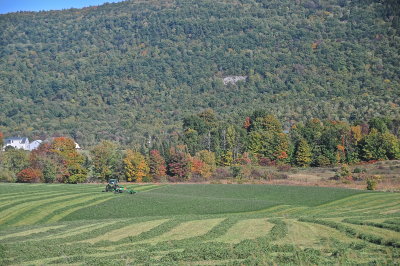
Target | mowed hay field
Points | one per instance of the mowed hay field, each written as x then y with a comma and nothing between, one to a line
197,224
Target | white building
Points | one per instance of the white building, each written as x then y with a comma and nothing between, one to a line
23,143
17,143
35,144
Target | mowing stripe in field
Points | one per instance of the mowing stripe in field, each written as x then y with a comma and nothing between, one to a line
352,204
186,230
21,196
9,214
124,256
384,233
77,231
390,211
376,204
292,210
392,221
30,232
281,210
145,236
271,210
28,198
351,201
72,205
304,234
65,213
246,229
143,188
376,210
38,213
392,227
388,206
28,217
127,231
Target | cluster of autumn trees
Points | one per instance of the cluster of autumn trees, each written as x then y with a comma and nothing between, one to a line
59,161
56,161
204,144
110,162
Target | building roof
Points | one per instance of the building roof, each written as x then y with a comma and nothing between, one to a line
8,140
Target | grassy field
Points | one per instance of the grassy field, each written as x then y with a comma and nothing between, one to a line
197,224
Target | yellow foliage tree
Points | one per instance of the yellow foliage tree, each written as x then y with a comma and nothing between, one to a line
135,166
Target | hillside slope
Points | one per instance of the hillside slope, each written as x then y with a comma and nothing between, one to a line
121,71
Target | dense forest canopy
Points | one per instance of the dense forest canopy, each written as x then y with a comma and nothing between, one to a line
132,70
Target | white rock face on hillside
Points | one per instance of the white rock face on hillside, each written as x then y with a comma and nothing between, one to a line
233,79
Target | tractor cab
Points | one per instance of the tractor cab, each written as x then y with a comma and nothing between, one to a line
113,181
112,185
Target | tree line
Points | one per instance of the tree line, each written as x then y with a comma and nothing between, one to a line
204,145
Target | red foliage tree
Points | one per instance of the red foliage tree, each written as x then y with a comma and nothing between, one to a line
30,175
244,159
247,123
179,164
1,140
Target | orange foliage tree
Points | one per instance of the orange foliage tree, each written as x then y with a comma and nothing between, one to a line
157,165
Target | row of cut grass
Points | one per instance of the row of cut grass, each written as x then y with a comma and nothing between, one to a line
394,227
372,235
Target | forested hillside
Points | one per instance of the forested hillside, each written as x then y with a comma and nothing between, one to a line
135,69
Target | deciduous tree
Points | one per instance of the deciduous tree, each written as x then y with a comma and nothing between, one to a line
179,165
30,175
157,165
70,161
105,158
135,167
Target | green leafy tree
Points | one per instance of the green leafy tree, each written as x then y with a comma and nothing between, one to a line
380,146
266,139
105,157
303,154
191,140
379,123
14,160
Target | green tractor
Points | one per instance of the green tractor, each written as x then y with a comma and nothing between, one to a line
114,187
